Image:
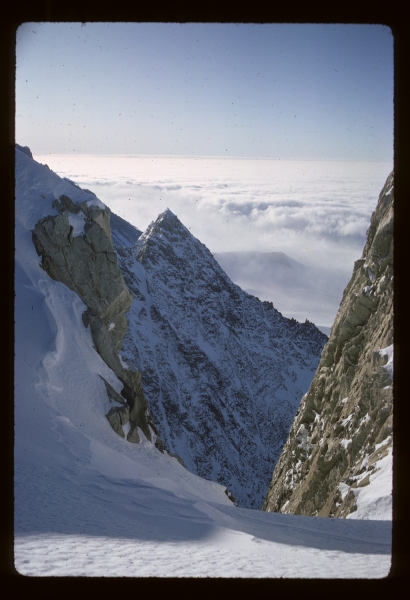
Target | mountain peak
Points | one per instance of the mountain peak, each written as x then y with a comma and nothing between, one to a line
166,231
166,225
167,213
167,218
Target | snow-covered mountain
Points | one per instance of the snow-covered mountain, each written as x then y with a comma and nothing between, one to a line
337,460
221,370
90,503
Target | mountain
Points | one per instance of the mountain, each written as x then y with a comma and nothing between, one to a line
338,457
221,370
88,502
296,290
206,372
71,317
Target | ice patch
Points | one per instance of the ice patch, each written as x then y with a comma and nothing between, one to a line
383,443
302,437
374,501
365,420
343,489
371,275
126,429
123,363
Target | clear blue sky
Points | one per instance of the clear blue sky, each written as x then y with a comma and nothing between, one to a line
281,91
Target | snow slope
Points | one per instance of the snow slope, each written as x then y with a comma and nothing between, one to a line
89,503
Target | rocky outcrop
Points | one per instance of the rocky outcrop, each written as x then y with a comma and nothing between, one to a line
76,249
344,423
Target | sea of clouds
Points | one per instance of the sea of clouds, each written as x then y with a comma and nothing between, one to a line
317,212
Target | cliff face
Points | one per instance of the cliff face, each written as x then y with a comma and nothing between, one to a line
343,427
76,249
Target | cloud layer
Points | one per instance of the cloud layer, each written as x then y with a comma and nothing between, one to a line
317,212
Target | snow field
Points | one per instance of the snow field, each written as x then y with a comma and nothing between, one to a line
78,525
109,557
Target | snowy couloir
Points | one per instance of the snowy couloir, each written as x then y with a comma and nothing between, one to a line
90,502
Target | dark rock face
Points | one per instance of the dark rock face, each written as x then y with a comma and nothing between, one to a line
344,423
76,249
222,371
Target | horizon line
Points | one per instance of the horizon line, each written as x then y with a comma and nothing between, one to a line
213,156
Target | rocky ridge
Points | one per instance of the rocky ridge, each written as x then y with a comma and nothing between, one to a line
344,424
221,369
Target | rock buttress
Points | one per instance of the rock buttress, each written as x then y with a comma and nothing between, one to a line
344,422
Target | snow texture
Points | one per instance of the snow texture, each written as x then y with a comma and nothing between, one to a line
77,222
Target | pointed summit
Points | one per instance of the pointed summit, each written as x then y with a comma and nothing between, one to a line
166,214
169,221
167,228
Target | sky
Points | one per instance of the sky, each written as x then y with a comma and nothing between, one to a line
289,91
